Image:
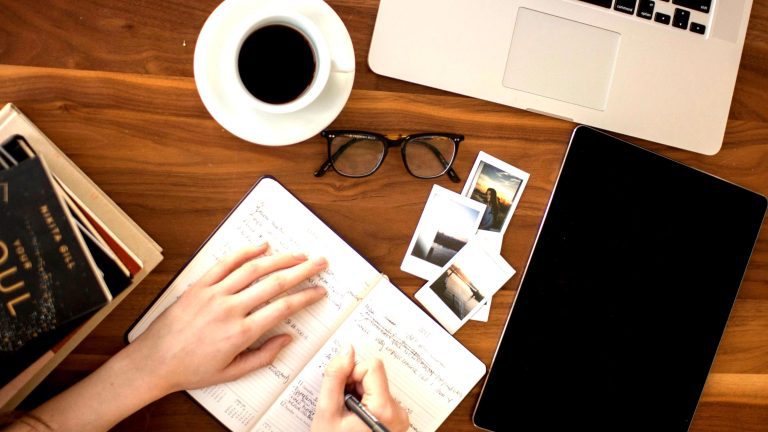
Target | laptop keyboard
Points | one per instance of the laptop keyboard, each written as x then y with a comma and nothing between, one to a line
676,13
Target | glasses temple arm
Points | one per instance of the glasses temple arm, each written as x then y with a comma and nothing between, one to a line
453,176
323,168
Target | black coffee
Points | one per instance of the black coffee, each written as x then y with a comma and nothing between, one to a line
276,64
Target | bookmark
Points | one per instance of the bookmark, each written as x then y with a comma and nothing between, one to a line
371,285
359,297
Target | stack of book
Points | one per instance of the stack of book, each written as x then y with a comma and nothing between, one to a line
68,256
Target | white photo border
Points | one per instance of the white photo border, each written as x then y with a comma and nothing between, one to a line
495,268
474,175
423,268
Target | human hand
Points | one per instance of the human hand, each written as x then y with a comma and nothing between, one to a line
203,338
369,380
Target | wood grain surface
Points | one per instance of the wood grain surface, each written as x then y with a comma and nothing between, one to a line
110,82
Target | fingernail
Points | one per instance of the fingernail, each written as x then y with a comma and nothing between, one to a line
347,353
286,340
300,256
320,262
321,290
262,245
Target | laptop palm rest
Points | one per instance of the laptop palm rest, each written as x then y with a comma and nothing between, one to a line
561,59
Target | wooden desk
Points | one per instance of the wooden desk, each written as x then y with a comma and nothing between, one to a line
111,83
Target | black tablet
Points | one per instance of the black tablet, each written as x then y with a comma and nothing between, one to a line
626,295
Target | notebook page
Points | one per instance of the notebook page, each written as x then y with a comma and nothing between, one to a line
429,371
271,213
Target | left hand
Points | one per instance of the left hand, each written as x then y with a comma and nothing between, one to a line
203,338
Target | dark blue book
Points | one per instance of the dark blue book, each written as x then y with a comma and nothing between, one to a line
47,276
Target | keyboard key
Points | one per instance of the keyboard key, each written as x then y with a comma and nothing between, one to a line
697,5
681,18
603,3
698,28
626,6
662,18
645,9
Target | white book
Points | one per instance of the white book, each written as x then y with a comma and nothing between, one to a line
429,371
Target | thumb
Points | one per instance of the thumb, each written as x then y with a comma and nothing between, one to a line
335,379
372,383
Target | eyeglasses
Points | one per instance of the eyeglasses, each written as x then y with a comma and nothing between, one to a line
360,154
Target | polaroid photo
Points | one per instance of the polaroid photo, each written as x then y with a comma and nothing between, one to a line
483,312
447,223
464,285
499,186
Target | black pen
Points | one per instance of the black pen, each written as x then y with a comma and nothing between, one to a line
369,419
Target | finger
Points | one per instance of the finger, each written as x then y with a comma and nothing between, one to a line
373,385
230,264
272,314
256,268
249,361
331,400
373,379
279,282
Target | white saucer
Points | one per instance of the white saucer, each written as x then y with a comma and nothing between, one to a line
249,123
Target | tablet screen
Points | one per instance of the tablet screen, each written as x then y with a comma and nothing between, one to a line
625,297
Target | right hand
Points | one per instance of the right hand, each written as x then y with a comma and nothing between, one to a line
370,380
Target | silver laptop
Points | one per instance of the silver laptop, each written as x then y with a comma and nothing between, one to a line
654,69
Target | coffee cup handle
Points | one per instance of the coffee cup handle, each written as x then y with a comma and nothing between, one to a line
343,66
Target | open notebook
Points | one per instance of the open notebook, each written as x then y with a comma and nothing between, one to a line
429,371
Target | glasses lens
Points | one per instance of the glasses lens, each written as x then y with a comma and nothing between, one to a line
356,155
429,156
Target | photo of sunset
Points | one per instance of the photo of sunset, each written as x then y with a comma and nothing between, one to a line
496,189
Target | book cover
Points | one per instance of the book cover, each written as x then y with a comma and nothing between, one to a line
117,277
47,278
46,344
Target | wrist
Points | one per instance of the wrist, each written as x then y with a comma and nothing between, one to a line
120,387
140,373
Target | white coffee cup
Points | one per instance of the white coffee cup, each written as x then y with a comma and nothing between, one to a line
278,118
324,64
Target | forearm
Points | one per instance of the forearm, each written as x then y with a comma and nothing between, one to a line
117,389
204,338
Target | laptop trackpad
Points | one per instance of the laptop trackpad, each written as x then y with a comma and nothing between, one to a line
561,59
